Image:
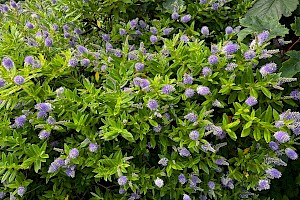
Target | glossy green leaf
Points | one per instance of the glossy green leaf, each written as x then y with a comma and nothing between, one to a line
274,8
256,24
292,66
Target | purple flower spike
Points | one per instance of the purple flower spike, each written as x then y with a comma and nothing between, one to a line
215,6
262,37
152,104
45,107
48,42
189,92
213,59
273,173
274,146
181,179
44,135
268,69
29,25
42,114
73,153
142,24
211,185
153,39
228,30
29,60
67,35
133,23
205,30
187,79
19,80
72,62
122,180
153,30
139,66
163,162
184,38
184,152
78,31
263,185
295,95
249,55
221,162
191,117
186,18
251,101
2,82
5,8
105,37
202,90
167,89
51,121
186,197
85,62
206,71
157,128
230,48
194,135
122,191
281,136
167,31
82,49
65,27
122,31
55,165
214,49
13,4
8,63
291,153
21,191
93,147
55,27
20,121
70,172
159,182
175,16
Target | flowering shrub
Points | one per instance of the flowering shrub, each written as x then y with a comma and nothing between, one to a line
155,112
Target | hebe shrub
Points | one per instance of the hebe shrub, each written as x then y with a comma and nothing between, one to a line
129,117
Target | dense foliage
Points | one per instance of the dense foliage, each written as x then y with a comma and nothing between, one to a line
153,99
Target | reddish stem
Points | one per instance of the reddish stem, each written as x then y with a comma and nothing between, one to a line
293,45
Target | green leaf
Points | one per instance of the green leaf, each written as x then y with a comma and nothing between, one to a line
204,167
153,123
257,24
127,135
245,132
267,135
5,176
266,92
248,125
233,124
275,8
296,26
37,165
268,116
231,134
257,134
292,66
